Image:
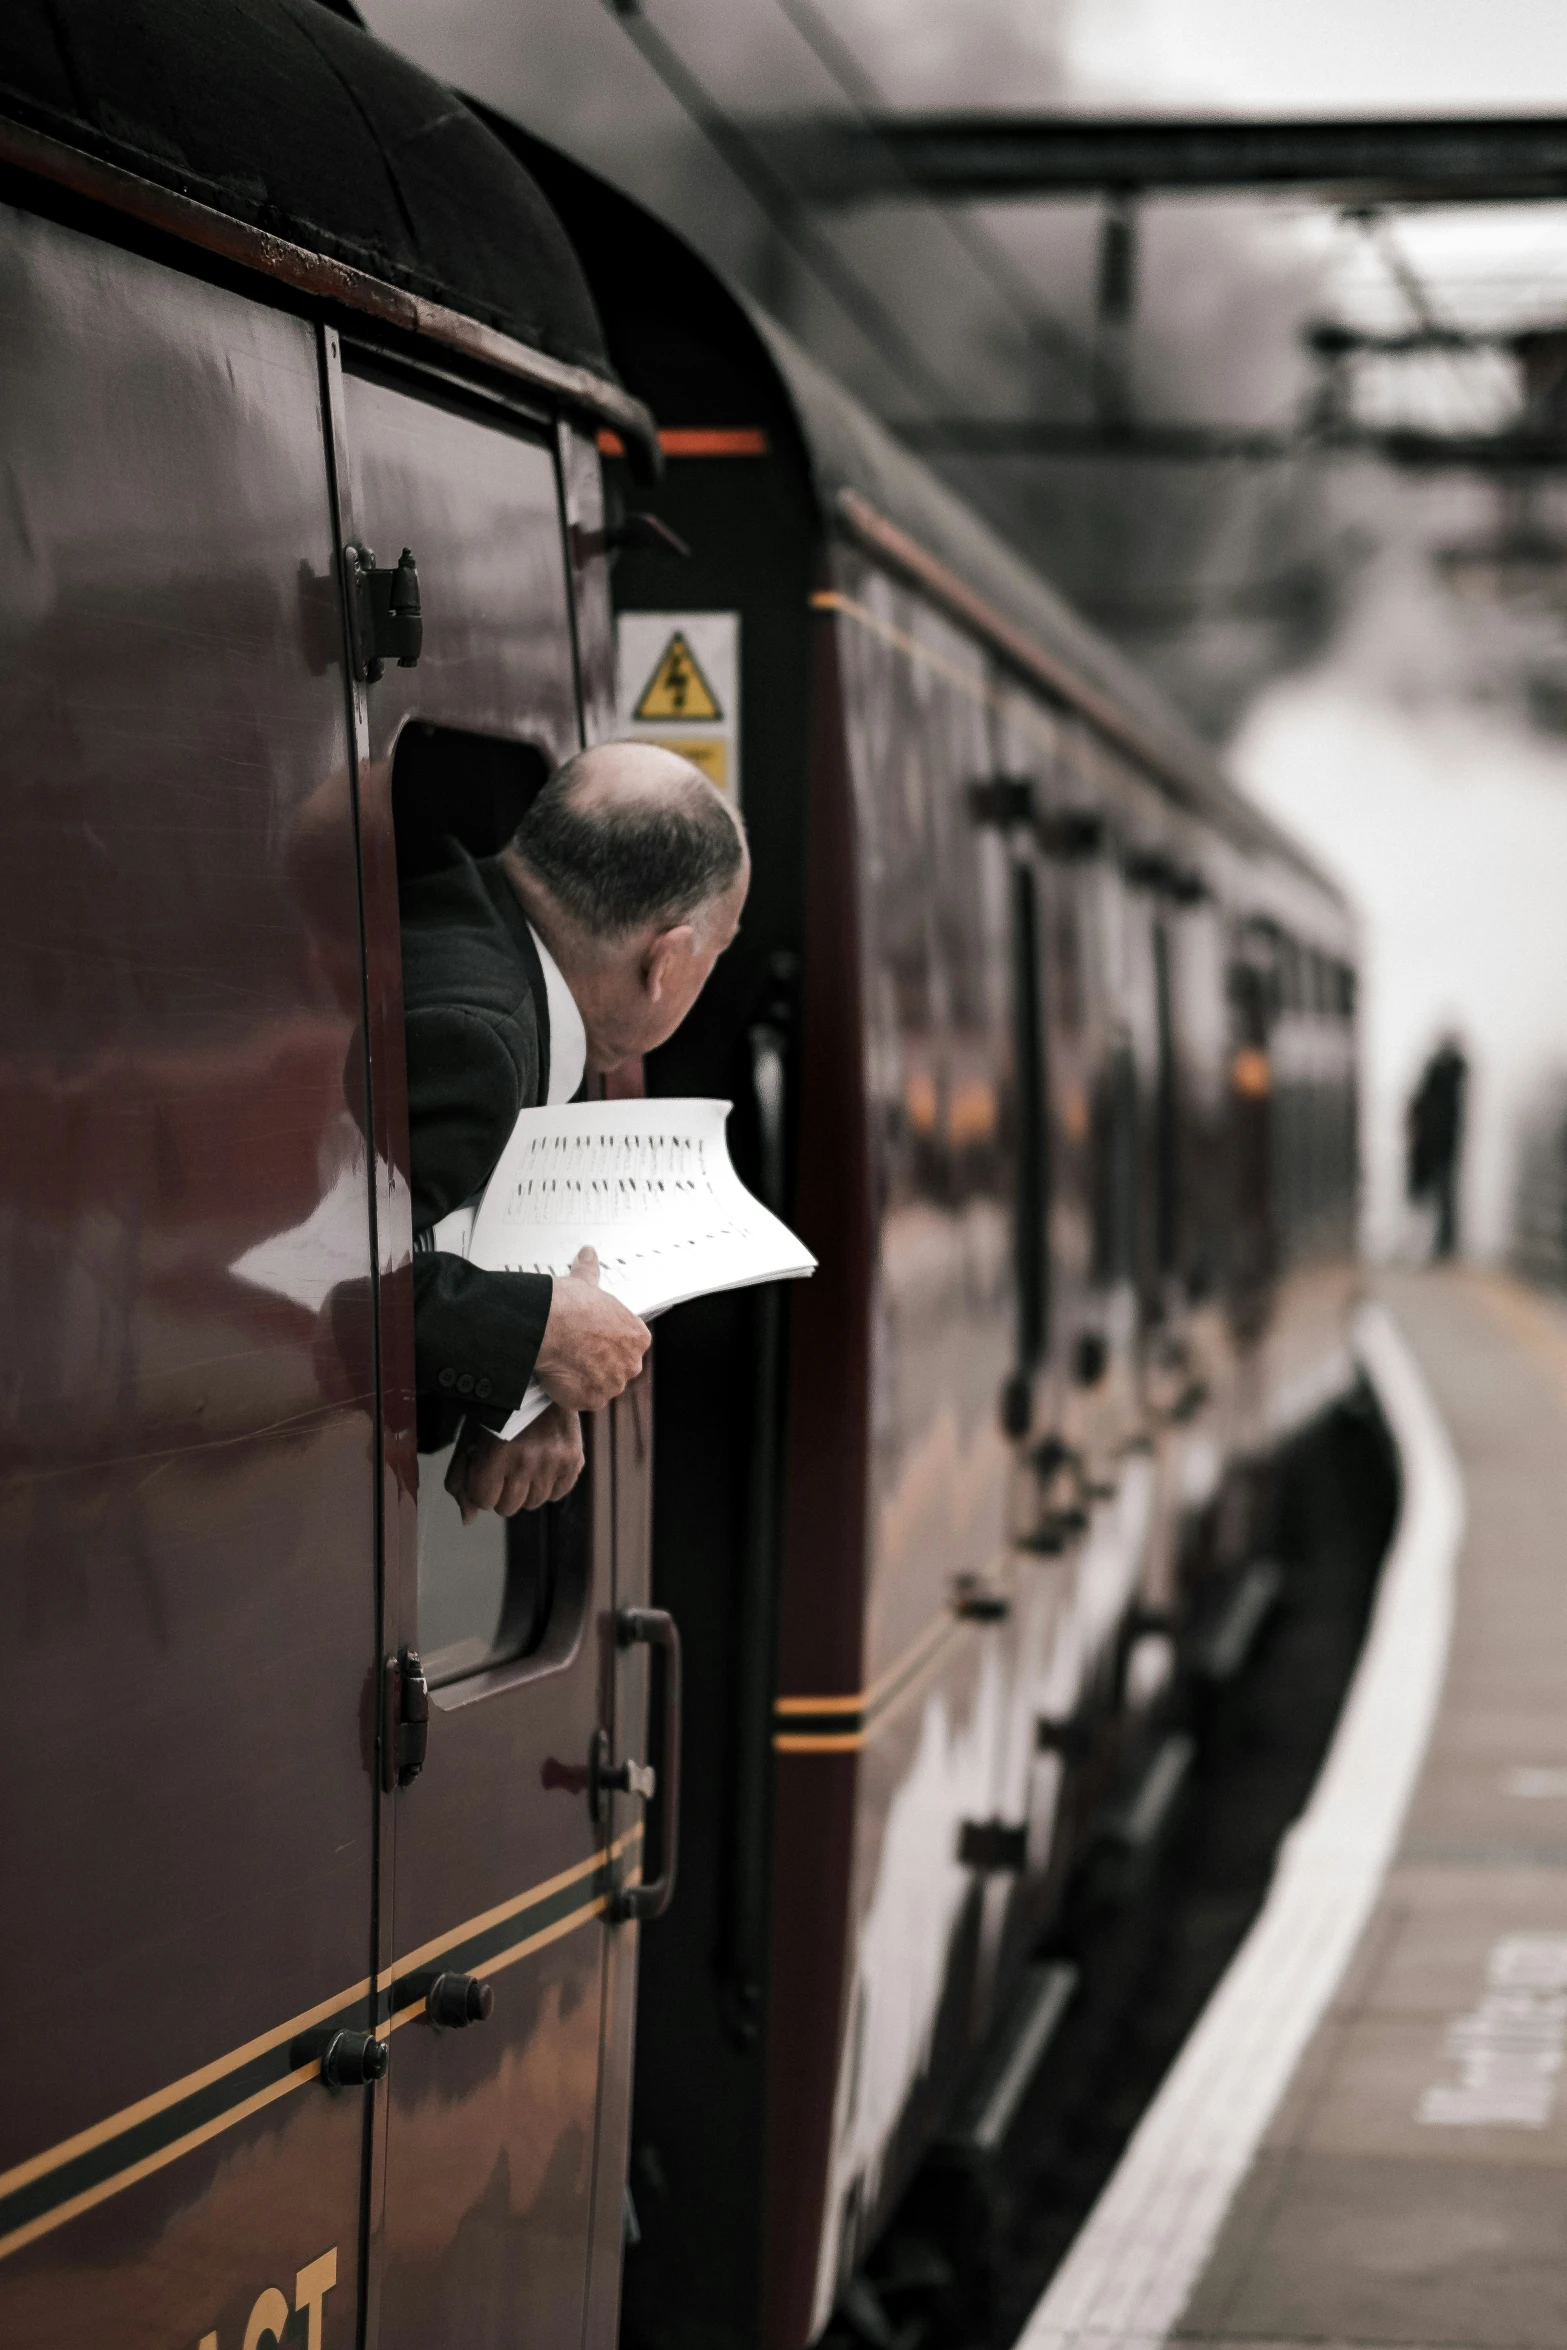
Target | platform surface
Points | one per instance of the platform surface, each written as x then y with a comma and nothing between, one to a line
1412,2187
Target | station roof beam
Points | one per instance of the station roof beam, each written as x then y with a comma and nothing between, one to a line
990,158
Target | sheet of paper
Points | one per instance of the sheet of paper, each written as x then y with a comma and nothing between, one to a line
650,1186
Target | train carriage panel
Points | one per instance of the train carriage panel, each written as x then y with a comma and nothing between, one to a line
942,1111
911,1820
189,1574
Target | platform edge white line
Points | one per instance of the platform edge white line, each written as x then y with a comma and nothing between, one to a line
1132,2268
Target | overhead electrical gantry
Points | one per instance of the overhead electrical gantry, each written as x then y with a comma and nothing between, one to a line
1362,167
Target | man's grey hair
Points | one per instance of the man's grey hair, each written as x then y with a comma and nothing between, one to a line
618,864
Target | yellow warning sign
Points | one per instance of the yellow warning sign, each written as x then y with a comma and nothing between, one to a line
677,689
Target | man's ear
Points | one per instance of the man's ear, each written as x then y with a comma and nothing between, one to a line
669,951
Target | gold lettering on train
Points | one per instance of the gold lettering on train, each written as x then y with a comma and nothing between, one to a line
311,2288
270,2316
271,2313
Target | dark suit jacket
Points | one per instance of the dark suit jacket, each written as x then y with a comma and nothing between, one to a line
477,1023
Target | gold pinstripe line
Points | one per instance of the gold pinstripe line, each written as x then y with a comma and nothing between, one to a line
850,1741
861,1701
116,2124
47,2220
127,2119
976,688
505,1958
414,1959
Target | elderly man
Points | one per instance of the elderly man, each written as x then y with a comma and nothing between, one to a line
585,941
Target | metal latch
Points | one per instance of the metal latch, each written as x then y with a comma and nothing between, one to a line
384,614
405,1719
605,1777
634,534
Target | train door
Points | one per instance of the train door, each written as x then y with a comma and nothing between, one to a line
187,1489
491,2211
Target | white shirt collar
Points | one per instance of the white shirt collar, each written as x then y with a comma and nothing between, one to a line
568,1037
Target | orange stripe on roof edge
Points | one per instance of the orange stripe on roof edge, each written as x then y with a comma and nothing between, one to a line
716,440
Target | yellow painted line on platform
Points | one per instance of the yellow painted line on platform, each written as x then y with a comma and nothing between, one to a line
1528,1319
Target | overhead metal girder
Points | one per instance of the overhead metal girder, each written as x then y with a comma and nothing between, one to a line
974,158
1518,451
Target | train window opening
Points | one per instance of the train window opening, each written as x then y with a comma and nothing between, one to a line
1321,985
1115,1177
492,1592
1166,1169
449,785
1286,965
1344,991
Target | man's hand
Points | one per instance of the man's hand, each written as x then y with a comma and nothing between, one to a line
593,1345
540,1465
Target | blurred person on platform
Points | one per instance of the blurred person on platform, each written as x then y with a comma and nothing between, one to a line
1435,1133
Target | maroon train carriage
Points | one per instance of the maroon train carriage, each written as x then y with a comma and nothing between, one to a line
1039,1034
276,307
1042,1037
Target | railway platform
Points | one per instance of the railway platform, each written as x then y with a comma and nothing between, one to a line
1365,2140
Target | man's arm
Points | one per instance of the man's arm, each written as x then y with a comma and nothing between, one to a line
477,1334
539,1466
480,1337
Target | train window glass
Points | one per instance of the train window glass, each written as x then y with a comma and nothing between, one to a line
1321,985
1291,993
1166,1168
1032,1260
462,1577
1115,1153
1067,989
1202,1018
935,911
491,1592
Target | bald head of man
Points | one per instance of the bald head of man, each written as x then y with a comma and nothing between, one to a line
634,870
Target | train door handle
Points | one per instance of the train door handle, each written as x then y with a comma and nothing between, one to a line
657,1628
453,2002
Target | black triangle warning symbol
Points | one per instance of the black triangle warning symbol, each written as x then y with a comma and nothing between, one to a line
677,688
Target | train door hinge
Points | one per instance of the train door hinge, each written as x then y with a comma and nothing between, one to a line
384,616
405,1719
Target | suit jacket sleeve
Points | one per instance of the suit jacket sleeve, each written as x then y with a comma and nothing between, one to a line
476,1334
476,1337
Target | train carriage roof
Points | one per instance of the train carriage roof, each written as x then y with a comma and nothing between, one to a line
868,481
291,118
